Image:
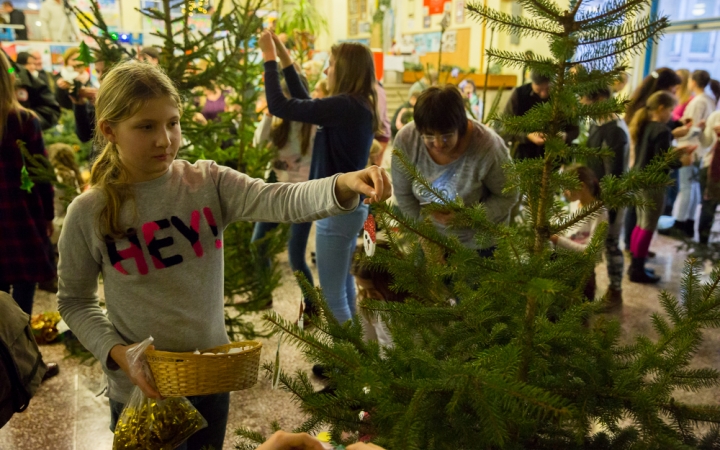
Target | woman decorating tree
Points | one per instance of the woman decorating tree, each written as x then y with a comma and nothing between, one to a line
458,156
347,120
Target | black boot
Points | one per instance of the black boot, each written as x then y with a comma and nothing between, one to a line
638,274
689,229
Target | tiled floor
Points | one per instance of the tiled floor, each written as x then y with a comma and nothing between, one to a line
67,415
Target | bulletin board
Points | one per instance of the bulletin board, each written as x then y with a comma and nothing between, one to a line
456,51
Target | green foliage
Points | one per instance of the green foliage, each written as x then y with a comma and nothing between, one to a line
64,132
223,57
505,352
302,22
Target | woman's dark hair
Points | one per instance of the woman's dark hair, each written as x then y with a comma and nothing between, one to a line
442,110
662,79
471,82
538,78
587,177
280,134
702,79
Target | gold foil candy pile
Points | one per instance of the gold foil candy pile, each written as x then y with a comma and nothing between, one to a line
157,425
44,326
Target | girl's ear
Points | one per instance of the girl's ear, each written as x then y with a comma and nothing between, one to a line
107,130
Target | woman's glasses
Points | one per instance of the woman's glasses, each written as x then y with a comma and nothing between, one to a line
431,139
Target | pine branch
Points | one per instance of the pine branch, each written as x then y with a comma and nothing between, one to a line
516,24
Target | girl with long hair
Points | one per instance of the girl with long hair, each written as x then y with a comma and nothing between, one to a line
153,227
651,135
684,93
347,120
660,80
25,214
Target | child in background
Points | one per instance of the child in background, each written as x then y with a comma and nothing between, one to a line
292,142
153,227
651,136
374,284
62,158
579,236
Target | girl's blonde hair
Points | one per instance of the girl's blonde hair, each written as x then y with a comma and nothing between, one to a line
642,116
355,75
8,98
125,90
683,92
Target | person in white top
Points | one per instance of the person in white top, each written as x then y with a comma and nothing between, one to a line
579,235
697,111
710,194
58,22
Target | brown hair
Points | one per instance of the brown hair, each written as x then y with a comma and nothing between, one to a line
702,80
8,98
441,110
587,177
280,134
380,278
641,118
661,79
683,92
125,90
355,76
63,160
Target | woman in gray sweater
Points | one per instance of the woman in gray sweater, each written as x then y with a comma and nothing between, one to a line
459,157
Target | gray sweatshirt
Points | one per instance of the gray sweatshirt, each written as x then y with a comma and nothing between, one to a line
167,279
476,177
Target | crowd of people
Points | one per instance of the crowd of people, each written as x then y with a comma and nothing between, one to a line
144,206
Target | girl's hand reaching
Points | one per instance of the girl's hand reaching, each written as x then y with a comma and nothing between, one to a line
267,46
372,182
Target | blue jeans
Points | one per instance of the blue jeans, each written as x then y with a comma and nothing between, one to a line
23,293
336,240
297,245
214,408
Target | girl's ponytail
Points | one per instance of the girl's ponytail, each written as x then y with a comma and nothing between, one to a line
640,119
715,88
107,174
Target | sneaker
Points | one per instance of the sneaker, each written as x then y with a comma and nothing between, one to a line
52,370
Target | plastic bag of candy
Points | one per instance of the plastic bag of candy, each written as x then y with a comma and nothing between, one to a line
147,423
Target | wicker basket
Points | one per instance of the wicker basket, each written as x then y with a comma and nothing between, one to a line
186,374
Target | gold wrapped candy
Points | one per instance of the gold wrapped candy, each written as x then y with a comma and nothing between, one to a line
44,327
156,424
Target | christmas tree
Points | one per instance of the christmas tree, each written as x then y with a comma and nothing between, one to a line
505,352
223,56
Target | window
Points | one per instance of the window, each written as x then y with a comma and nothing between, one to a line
690,50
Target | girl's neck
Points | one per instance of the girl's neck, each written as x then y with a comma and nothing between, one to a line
656,118
698,91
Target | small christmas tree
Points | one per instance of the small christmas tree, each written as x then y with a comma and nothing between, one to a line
224,57
493,353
